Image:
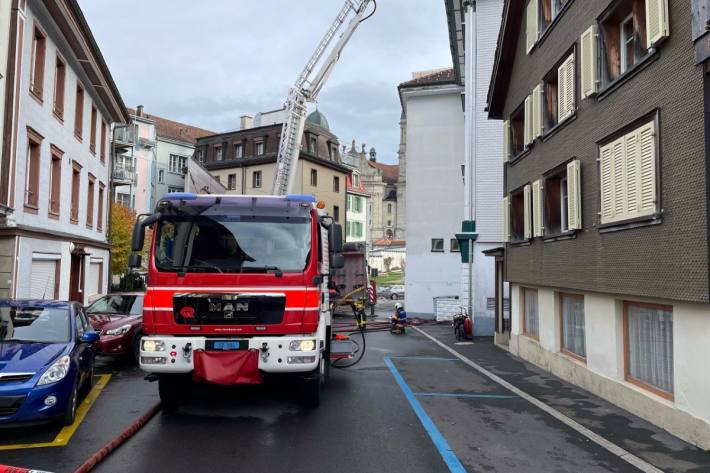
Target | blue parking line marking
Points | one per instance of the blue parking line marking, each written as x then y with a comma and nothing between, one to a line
478,396
439,441
423,358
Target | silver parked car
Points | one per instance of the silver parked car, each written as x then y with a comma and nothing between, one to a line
394,292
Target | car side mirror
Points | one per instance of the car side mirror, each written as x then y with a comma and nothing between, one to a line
134,260
338,261
89,337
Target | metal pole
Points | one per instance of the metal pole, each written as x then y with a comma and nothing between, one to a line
472,107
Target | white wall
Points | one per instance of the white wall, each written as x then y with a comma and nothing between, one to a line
687,415
434,200
40,117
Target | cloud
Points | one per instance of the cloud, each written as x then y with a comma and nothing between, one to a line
208,62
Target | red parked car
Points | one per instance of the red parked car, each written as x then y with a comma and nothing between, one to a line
118,319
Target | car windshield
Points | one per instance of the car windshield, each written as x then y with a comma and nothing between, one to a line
34,324
117,304
232,243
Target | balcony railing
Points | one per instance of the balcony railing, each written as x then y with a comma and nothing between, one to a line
124,174
124,136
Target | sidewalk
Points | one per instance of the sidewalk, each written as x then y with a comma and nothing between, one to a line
616,425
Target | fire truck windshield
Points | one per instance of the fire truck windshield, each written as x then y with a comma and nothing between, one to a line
232,243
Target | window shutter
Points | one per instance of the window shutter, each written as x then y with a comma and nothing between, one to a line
538,227
618,151
632,175
506,219
537,111
527,126
656,21
574,196
527,211
565,88
647,169
506,141
606,184
589,62
531,24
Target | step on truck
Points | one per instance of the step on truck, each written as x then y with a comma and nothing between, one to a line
237,290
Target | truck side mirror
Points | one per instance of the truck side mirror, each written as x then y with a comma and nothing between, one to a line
335,238
134,260
138,236
338,261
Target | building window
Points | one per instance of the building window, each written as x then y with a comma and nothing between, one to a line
517,131
624,39
314,177
124,199
177,163
161,176
256,179
356,180
531,321
336,184
39,45
103,142
90,202
238,150
437,245
558,94
55,182
34,147
333,152
60,74
354,229
549,9
200,156
517,216
354,203
260,148
218,153
172,189
455,248
79,112
627,173
556,203
92,131
572,326
232,181
336,213
75,189
389,209
389,223
389,234
313,145
648,342
100,213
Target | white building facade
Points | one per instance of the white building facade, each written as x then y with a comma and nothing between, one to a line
56,161
473,52
434,197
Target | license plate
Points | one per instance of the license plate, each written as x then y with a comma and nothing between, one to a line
227,345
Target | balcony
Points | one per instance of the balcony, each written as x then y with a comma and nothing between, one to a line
124,174
124,136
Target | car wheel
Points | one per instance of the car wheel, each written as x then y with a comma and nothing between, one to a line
394,297
70,411
89,381
137,347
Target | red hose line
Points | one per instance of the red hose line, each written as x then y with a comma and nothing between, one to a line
98,457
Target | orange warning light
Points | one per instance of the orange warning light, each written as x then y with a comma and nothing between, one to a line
320,204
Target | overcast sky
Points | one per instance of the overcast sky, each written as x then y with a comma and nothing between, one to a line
208,62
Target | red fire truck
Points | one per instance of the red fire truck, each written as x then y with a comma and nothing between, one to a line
237,289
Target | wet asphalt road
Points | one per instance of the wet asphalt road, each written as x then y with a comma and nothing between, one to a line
364,424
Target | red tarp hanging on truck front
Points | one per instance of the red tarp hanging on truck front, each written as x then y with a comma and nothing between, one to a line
227,367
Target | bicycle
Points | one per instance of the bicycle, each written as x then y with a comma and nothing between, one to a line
463,325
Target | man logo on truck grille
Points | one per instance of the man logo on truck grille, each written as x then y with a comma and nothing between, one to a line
230,309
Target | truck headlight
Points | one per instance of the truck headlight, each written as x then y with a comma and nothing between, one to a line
302,345
153,345
56,372
119,331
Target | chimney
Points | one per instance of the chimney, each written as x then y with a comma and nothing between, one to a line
246,122
139,111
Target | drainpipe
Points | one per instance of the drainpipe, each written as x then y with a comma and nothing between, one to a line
471,85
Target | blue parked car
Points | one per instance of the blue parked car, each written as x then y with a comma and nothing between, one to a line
46,360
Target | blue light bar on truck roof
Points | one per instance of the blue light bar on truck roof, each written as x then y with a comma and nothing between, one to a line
301,197
180,196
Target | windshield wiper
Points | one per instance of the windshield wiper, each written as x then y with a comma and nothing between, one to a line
277,271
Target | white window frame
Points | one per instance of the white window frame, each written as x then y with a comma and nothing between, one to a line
256,178
218,154
623,40
177,163
238,150
564,199
260,148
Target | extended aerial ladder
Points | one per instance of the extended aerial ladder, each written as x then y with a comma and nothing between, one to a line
307,88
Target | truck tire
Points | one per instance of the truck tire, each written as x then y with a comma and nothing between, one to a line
312,386
173,390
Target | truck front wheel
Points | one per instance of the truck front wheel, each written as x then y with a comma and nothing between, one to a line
312,386
173,390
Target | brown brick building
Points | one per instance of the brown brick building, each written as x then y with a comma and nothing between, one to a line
605,200
245,161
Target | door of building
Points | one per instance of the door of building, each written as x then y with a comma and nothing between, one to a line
77,277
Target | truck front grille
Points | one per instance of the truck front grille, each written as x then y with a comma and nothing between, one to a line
229,309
